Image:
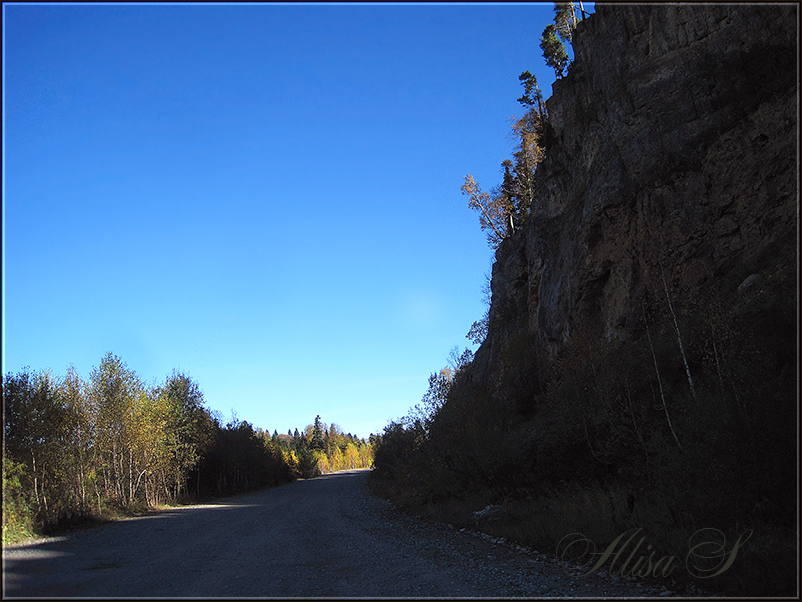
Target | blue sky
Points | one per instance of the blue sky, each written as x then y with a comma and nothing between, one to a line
265,197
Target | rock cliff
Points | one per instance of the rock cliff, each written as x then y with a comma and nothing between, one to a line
671,155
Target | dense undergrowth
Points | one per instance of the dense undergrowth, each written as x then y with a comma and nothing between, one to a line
688,428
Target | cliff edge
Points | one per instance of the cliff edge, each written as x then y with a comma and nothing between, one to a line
671,162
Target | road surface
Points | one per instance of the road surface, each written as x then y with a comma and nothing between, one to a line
323,537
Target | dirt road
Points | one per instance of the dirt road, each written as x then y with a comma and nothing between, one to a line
324,537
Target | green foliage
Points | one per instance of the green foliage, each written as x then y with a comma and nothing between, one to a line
478,332
587,446
75,449
503,210
190,427
564,19
554,50
18,520
551,43
308,464
395,462
532,97
239,459
333,450
317,442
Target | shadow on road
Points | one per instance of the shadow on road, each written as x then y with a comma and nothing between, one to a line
219,548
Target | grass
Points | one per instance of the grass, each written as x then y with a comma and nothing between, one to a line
17,525
20,526
764,566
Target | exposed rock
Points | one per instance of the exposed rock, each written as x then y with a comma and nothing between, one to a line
672,154
488,513
749,283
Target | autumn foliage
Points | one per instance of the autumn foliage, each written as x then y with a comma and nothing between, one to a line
76,449
504,208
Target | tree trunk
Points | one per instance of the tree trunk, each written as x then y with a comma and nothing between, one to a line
635,423
35,478
679,335
660,384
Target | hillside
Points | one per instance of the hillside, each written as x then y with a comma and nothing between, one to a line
640,363
673,142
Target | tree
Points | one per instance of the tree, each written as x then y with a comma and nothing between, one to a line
298,442
565,19
351,454
433,400
495,211
149,418
34,418
503,210
440,384
336,437
112,389
458,361
558,32
530,134
532,96
478,332
336,460
80,434
68,443
554,50
18,414
316,442
189,424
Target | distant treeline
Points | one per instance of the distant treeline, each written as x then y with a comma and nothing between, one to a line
74,449
324,448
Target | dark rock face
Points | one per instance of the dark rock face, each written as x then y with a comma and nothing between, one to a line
672,154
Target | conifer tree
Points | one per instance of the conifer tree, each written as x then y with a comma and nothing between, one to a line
317,443
564,20
554,50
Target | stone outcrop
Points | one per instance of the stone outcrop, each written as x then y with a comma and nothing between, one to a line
672,152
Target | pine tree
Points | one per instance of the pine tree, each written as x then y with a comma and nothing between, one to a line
554,50
317,443
564,19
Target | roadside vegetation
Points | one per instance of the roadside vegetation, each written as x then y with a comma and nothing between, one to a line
692,424
76,451
618,438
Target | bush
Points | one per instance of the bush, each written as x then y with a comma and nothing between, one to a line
18,521
308,464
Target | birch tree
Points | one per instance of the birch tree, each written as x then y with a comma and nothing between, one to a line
112,390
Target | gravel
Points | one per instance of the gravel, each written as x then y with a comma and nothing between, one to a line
323,537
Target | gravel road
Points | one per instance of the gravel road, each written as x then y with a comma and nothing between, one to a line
323,537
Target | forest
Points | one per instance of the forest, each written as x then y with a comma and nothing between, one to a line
689,424
76,451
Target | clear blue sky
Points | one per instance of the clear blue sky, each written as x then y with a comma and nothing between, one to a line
265,197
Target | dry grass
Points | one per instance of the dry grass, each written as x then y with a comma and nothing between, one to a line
764,566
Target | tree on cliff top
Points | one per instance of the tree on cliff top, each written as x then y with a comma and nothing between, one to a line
554,50
564,19
555,34
495,211
504,208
